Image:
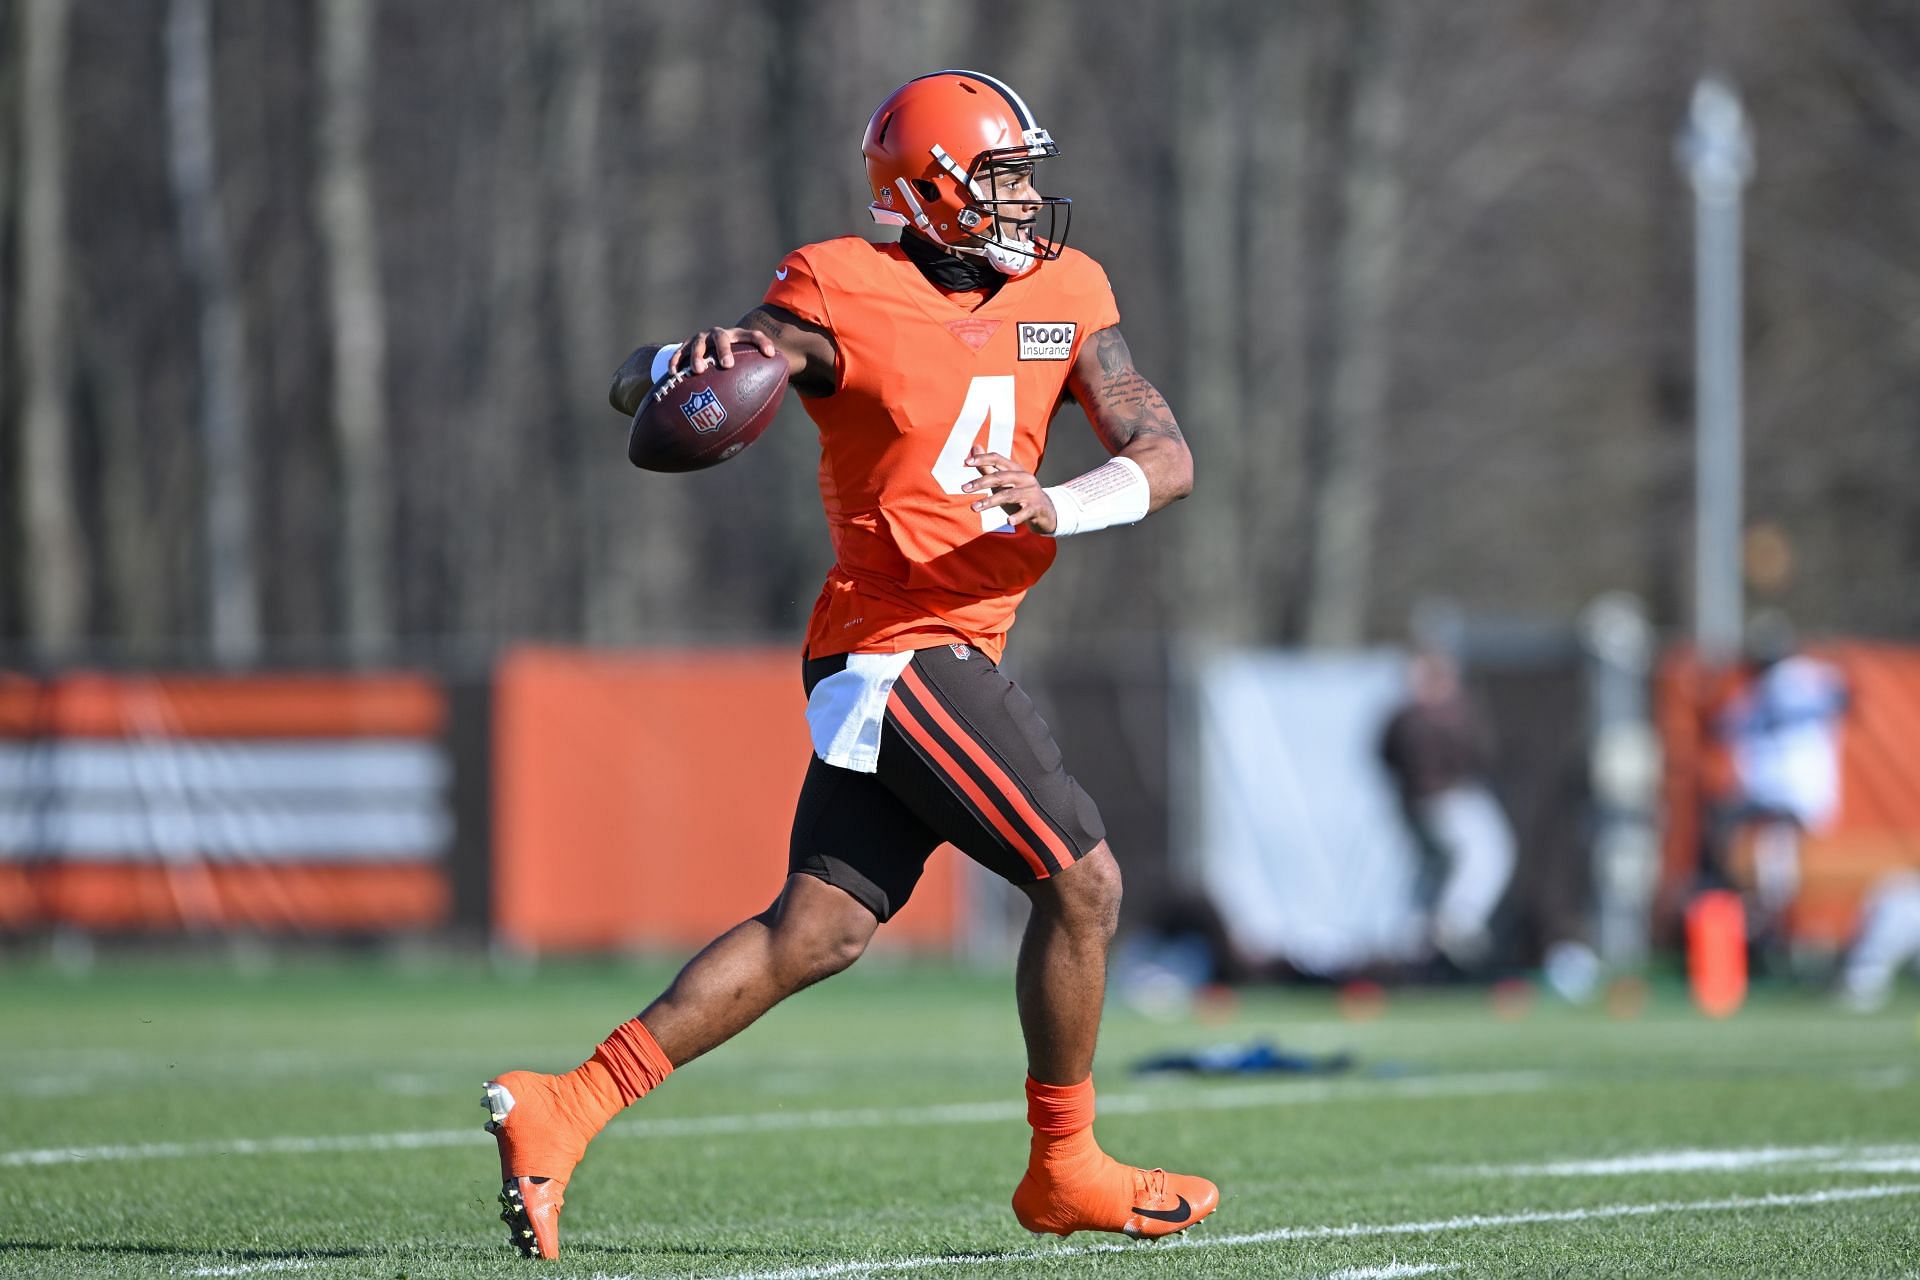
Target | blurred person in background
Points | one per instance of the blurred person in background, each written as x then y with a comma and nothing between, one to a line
932,368
1438,749
1781,730
1887,941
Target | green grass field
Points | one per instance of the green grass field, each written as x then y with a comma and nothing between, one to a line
322,1119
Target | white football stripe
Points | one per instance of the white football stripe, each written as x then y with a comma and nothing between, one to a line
1295,1093
1355,1231
1830,1158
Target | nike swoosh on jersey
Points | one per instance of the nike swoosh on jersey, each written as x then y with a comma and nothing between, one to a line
1179,1213
780,274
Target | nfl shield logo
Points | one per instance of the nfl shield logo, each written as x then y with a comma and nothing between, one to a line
704,410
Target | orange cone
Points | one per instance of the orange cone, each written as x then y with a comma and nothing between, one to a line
1717,952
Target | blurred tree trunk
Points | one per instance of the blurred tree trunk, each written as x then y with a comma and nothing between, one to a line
1366,263
56,596
350,235
1207,192
10,551
1275,315
500,515
591,346
9,122
233,586
650,585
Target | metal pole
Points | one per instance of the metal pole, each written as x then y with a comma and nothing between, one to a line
1624,764
1717,150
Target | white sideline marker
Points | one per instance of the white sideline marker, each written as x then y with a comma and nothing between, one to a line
1824,1159
1474,1222
1225,1099
1356,1231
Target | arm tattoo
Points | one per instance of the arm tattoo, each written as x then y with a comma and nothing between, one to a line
782,325
765,322
1127,406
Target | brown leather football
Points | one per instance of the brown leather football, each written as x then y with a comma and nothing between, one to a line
689,421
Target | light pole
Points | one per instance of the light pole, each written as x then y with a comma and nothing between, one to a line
1717,150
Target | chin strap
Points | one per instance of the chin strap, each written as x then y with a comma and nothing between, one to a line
1007,260
1115,492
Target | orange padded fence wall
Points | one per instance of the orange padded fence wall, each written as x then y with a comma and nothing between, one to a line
160,803
1878,828
644,800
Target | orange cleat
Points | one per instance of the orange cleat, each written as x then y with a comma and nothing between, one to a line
539,1146
1094,1192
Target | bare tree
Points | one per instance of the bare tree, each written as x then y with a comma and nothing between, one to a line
503,515
575,156
1366,262
1276,316
193,165
9,118
1208,188
56,549
350,235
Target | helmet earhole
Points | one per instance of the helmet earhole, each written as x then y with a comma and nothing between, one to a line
927,190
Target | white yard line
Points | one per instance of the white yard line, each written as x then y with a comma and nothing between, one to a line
1831,1158
1235,1097
1356,1231
1353,1231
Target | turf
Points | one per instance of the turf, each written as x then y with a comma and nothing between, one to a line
240,1118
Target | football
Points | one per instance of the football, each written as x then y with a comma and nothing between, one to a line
690,421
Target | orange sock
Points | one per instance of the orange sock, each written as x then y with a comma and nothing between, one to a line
628,1065
555,1117
1069,1178
1058,1111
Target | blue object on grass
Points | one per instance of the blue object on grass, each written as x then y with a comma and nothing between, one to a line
1259,1058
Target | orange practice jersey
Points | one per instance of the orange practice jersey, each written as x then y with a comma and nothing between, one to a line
922,380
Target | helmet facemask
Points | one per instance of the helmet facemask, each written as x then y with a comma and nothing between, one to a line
1031,231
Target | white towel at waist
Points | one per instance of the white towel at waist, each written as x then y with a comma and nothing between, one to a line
847,710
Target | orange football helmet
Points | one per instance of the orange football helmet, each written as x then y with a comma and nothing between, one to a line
948,152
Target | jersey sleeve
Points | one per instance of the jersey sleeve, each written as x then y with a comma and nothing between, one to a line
1103,310
795,288
1090,297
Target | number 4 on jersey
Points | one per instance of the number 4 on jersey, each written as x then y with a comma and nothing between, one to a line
989,404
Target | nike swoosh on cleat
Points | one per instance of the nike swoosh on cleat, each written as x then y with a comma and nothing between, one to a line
1167,1215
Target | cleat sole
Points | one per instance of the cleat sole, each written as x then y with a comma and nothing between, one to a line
513,1212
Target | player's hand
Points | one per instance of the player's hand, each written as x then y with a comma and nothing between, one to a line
1013,490
715,346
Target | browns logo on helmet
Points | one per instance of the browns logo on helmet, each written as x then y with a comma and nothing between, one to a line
952,155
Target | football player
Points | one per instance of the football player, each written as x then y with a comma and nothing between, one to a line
932,367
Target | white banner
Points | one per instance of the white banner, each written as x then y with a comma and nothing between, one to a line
1302,846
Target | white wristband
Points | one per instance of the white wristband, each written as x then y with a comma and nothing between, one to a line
1115,492
660,359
